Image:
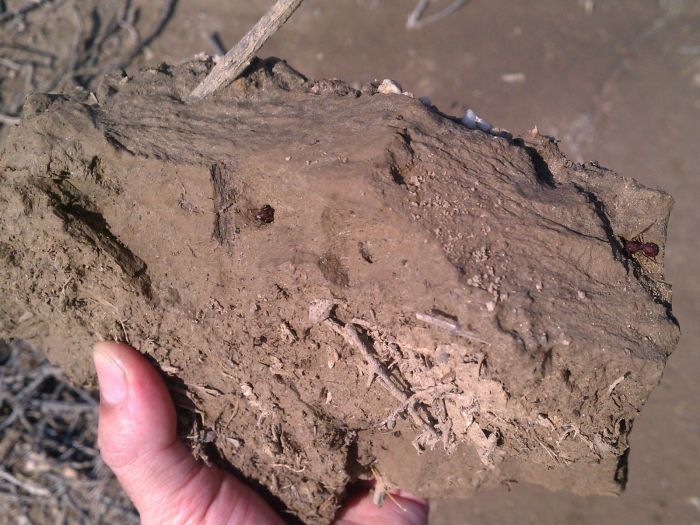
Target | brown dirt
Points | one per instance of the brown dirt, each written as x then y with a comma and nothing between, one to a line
618,84
480,278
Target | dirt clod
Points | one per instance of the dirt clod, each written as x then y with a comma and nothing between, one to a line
448,307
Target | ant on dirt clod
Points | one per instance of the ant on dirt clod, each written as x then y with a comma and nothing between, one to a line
637,245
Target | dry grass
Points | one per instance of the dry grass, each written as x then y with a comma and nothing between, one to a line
58,45
50,468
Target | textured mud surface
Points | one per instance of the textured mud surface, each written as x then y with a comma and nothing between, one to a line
336,281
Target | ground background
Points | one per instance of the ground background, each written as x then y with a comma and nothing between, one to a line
617,82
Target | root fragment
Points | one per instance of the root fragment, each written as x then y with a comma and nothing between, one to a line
451,326
408,401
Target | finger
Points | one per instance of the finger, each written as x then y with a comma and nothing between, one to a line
138,441
401,509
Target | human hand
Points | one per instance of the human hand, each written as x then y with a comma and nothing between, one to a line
138,441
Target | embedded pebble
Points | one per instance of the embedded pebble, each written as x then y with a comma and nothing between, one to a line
474,121
320,310
390,87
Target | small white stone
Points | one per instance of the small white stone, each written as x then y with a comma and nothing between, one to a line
474,121
247,391
490,306
319,310
512,78
287,333
333,359
469,119
390,87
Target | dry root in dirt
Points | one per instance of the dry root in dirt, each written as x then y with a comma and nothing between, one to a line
340,282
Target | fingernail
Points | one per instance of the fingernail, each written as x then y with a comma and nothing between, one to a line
111,377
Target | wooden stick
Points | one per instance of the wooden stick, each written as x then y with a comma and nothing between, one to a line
238,58
449,325
28,486
414,19
9,119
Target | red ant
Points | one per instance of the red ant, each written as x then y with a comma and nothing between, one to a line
266,214
637,245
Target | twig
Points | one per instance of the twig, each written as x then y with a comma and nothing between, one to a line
47,406
26,8
167,14
375,367
548,451
42,376
9,119
617,382
426,396
216,43
451,326
10,64
56,422
382,488
31,488
282,465
414,19
238,58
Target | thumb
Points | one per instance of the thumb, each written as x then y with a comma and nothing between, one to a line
138,441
